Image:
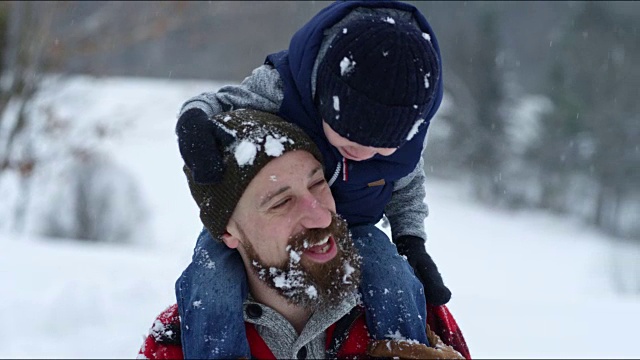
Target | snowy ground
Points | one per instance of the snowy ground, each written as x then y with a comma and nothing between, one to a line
525,284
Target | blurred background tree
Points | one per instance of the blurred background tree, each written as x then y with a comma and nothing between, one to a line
540,109
588,145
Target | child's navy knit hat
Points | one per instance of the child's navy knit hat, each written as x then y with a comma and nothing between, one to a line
377,81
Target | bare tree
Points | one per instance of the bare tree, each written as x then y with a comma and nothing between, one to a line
28,26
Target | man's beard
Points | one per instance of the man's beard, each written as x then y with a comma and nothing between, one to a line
307,283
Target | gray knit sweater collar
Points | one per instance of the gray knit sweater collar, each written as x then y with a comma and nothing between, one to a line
282,338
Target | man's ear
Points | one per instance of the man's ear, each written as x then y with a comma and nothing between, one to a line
229,238
231,241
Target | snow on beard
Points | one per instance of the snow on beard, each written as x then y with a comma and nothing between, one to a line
307,283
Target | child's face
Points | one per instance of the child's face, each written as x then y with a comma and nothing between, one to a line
351,150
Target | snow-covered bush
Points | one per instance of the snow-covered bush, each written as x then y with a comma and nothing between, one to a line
59,180
88,197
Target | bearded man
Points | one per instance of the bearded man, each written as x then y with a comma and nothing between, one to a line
274,206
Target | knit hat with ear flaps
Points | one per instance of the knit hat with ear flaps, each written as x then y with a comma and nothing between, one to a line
259,138
377,81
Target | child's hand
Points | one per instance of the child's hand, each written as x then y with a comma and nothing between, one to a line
202,152
436,293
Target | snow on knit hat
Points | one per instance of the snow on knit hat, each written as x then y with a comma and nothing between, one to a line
377,81
259,137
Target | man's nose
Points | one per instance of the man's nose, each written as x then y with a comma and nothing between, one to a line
314,214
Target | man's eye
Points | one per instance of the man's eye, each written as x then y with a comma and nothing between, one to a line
319,183
280,204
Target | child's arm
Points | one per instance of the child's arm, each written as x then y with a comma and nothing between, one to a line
407,209
262,90
406,212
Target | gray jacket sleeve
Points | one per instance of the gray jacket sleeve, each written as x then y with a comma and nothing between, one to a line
262,90
407,208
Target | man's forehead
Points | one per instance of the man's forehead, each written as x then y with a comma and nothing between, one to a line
284,171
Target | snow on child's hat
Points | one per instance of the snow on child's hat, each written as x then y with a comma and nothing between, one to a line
259,137
377,81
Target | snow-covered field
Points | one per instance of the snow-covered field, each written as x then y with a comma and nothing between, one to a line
525,284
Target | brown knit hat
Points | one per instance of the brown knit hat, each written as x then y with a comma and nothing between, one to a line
259,138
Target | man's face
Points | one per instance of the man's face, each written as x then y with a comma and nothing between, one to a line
351,150
286,230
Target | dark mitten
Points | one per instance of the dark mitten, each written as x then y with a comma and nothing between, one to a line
436,293
201,144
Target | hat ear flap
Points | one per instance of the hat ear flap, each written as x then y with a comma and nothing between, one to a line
224,139
210,146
